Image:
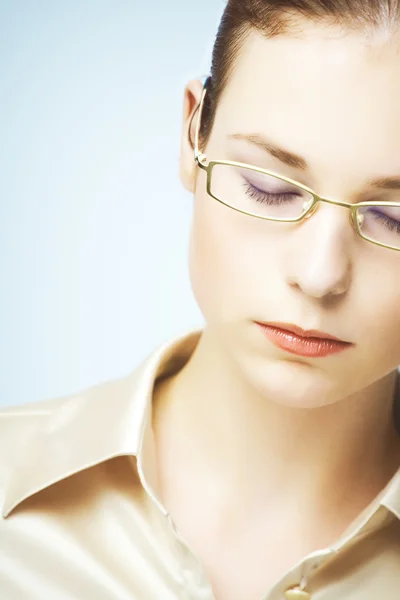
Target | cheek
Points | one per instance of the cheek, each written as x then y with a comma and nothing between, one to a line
373,321
228,258
382,320
209,243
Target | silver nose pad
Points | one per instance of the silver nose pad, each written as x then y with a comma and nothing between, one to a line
360,219
307,205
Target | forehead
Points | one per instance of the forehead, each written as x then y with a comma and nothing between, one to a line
327,94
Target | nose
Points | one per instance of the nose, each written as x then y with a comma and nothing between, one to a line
320,262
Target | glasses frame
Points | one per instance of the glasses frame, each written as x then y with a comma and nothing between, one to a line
201,161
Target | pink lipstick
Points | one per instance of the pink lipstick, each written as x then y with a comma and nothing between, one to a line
311,343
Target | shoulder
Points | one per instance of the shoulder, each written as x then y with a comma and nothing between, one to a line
22,421
23,427
19,424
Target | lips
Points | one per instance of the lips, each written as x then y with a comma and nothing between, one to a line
307,343
304,333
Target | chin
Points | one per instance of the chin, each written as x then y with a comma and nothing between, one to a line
291,383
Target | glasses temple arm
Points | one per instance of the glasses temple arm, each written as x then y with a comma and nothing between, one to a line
198,156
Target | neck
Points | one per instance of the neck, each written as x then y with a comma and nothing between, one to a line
234,439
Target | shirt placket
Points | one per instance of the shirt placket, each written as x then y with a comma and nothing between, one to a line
296,585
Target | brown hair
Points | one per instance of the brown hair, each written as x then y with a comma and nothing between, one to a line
277,17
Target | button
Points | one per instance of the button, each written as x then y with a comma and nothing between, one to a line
297,594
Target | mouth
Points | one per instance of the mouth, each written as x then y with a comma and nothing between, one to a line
309,343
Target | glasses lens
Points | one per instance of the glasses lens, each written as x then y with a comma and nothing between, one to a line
258,194
381,223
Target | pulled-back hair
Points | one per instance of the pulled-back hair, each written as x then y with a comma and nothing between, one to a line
273,18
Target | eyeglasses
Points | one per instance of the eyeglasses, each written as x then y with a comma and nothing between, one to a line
266,195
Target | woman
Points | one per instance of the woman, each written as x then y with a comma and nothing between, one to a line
258,458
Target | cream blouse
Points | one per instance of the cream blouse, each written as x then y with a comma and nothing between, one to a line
81,520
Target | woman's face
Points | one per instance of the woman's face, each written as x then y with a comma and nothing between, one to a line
334,99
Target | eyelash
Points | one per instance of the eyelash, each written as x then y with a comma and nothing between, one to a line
391,224
260,196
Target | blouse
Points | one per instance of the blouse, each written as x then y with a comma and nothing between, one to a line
81,520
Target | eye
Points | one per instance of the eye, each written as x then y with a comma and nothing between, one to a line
381,223
258,193
267,188
264,195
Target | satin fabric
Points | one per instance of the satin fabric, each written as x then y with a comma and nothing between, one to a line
81,519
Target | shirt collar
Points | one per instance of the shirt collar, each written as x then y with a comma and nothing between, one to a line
111,419
114,419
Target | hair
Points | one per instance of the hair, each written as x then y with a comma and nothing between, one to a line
274,18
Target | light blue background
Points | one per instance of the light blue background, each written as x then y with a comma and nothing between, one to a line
94,221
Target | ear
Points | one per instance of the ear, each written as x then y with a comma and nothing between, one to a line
191,100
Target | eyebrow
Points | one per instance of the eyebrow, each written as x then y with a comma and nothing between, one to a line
284,156
299,162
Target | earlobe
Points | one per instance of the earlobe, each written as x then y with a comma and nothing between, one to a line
191,102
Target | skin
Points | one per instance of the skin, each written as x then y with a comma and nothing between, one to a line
279,447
